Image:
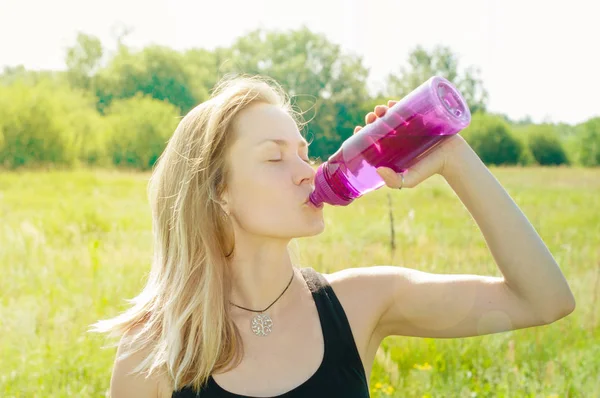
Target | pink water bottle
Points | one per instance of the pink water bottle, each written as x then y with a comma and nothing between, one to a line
410,129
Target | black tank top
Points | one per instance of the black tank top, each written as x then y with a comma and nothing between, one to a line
341,373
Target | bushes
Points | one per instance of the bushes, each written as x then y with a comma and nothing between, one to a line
589,142
44,124
545,146
497,143
139,130
491,139
36,125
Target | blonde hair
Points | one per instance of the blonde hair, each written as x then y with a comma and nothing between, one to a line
182,310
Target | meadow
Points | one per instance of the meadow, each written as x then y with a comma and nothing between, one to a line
75,244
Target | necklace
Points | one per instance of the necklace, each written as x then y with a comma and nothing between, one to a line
262,324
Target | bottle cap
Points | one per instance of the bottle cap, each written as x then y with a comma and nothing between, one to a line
324,193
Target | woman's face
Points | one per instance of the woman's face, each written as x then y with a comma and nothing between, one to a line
270,179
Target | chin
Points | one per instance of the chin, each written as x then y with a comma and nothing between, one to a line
305,232
316,230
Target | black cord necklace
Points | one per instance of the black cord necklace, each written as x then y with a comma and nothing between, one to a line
262,324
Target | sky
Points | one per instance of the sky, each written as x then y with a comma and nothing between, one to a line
537,58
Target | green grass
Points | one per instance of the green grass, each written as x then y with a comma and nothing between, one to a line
75,245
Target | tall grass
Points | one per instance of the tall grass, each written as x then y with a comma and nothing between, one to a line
75,245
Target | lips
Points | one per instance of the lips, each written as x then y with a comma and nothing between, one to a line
308,202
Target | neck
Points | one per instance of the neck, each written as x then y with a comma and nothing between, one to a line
259,276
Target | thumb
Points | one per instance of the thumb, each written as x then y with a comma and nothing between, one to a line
422,170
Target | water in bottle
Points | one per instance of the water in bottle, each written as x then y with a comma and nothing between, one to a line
408,131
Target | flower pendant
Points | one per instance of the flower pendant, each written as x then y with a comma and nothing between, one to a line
262,324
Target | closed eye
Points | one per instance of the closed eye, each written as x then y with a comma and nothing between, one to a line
309,161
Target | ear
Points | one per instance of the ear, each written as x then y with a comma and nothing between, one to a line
225,209
224,202
222,192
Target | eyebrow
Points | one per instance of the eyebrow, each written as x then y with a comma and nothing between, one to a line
283,143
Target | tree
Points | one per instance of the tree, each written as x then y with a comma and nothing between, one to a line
202,67
441,61
323,82
83,59
589,142
13,74
155,71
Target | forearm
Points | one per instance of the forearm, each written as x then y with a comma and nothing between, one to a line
527,265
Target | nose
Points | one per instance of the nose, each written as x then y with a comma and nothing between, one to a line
305,173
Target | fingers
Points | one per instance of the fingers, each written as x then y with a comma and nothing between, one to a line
390,177
379,111
370,117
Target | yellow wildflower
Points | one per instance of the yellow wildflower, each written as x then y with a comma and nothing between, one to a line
425,366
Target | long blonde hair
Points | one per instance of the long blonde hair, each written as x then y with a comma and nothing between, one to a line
182,310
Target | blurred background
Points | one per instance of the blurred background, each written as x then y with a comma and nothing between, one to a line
102,69
91,91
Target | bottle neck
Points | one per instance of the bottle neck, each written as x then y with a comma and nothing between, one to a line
326,190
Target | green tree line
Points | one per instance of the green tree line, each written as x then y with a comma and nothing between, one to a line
119,110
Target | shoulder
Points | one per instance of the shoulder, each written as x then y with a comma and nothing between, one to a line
368,292
362,291
127,383
376,280
366,277
372,289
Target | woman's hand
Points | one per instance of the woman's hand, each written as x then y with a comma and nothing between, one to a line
435,162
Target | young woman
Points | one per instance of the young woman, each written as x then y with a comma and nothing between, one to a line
226,313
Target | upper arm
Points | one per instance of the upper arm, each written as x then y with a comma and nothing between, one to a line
420,304
125,384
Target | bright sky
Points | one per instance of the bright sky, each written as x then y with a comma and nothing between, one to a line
537,58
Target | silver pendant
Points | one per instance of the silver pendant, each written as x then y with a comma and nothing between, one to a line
262,324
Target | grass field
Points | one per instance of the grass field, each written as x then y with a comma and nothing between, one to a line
75,245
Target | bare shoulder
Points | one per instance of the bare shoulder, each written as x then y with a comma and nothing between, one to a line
350,285
125,383
356,290
360,281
